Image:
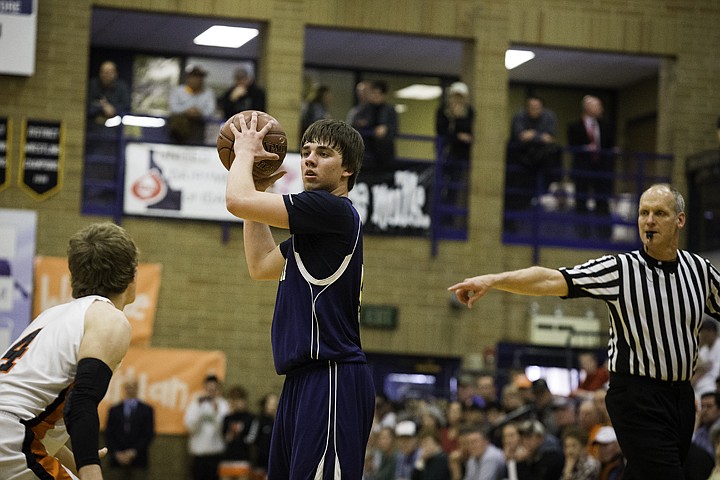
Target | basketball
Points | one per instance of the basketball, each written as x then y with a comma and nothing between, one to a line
275,141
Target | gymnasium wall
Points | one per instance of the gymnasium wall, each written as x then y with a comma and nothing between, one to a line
207,299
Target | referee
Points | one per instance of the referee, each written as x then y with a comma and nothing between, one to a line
656,297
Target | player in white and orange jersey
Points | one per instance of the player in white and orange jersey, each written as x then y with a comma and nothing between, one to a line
61,364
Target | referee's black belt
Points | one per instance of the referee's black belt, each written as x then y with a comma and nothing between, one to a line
626,378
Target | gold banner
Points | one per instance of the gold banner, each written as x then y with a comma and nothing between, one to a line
52,287
167,379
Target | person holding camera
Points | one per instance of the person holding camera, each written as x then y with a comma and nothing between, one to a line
204,421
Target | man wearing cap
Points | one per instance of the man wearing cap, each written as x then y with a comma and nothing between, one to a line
190,105
612,463
540,457
408,453
454,123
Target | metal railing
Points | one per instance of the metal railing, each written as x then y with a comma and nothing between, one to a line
537,212
545,207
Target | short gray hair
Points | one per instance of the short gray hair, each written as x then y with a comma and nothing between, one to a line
679,200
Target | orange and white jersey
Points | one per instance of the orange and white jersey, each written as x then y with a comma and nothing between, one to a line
40,366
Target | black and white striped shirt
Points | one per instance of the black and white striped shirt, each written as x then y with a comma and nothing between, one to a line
655,309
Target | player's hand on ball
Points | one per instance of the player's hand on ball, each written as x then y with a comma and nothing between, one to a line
248,140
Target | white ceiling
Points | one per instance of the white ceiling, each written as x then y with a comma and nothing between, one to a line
173,34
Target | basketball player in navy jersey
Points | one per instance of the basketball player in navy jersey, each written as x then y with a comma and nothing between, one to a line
327,403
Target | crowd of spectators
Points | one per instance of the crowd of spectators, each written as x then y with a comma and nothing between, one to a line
523,433
519,432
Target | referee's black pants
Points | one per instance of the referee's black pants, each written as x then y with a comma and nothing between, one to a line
654,422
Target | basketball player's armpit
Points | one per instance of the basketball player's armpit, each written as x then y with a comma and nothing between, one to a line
81,417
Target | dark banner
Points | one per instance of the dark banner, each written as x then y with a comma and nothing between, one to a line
395,202
4,149
41,162
16,7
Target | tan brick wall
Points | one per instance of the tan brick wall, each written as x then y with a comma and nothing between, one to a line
207,299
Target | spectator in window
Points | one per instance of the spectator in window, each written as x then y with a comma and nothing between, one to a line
454,126
534,157
316,106
108,95
190,104
454,122
362,91
243,95
377,122
594,164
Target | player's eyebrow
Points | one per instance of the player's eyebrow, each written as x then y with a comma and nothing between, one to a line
325,148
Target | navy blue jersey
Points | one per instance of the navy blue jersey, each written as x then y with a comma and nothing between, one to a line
318,300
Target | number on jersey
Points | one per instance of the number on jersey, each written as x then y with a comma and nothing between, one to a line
17,351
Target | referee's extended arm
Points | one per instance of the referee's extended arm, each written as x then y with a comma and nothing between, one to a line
535,281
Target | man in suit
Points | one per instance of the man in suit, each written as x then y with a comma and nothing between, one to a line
130,429
593,162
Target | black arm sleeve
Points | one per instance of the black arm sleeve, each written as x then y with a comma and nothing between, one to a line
80,412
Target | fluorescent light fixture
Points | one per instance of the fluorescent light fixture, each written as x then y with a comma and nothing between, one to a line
113,122
151,122
515,58
228,37
419,92
415,378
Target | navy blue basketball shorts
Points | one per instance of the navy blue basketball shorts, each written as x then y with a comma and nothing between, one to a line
323,423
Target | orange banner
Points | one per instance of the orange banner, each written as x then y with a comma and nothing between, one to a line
52,287
167,379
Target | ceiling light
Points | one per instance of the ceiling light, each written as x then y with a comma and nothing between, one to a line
419,92
151,122
515,58
229,37
113,122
